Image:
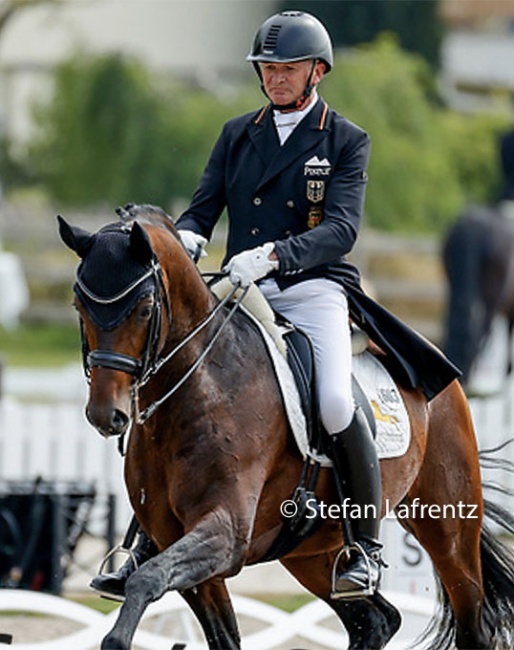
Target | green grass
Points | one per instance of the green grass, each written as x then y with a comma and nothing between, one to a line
102,605
286,602
40,345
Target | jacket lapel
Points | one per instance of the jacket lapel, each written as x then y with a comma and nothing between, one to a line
263,134
311,130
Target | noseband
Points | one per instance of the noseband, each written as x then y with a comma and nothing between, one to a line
114,360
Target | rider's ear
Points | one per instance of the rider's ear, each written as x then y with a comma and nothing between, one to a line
75,238
140,245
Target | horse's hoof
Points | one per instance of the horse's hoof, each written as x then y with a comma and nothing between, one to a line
113,643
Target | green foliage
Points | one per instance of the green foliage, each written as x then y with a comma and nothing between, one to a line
351,22
14,173
194,123
111,135
98,135
41,345
426,161
472,143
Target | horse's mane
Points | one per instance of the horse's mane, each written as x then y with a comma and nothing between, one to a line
151,215
146,213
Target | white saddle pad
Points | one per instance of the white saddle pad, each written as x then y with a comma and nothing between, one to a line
391,417
393,427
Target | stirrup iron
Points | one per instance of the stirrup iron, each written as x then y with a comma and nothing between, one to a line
118,549
368,590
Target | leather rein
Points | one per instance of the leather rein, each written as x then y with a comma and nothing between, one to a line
148,366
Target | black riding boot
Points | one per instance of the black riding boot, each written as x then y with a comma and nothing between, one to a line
357,473
112,585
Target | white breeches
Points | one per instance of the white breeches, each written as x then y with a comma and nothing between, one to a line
319,307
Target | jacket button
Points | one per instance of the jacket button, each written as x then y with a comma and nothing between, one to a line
288,233
290,203
255,232
257,200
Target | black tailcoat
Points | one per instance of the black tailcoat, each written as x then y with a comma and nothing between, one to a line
307,197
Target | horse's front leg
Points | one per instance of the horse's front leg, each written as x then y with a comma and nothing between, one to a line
212,548
211,603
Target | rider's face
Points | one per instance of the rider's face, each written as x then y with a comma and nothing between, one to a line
284,83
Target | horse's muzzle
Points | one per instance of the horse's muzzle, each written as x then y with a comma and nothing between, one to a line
108,421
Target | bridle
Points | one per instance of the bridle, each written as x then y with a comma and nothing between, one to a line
143,369
138,368
142,416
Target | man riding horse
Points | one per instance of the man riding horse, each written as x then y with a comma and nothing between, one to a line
292,176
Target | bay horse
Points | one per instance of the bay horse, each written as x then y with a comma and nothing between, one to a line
478,259
210,457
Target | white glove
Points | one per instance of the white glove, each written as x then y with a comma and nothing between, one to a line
193,242
249,266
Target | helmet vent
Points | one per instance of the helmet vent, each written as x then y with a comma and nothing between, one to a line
270,44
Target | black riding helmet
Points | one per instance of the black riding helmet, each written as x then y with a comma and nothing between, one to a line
292,36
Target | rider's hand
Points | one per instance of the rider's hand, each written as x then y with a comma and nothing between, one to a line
252,265
193,243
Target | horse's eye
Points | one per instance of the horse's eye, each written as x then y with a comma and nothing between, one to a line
145,312
145,309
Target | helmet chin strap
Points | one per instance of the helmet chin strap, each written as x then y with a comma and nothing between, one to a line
299,103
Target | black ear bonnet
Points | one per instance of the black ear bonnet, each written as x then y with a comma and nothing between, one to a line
115,273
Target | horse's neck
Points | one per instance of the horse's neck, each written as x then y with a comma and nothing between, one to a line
191,303
189,298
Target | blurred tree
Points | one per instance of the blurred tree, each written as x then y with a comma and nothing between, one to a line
422,168
416,22
102,137
112,134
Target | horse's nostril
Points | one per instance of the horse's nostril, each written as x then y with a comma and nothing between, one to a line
120,421
108,422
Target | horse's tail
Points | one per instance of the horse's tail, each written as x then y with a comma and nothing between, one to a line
498,577
464,250
497,561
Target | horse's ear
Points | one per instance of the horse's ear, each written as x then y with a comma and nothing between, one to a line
126,213
140,245
77,239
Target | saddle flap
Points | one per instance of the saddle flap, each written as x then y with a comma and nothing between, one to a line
300,355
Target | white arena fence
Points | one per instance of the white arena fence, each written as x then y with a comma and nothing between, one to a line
169,622
53,441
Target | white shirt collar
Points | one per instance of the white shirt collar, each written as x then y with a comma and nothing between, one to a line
287,122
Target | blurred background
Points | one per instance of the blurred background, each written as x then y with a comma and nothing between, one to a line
103,102
108,101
